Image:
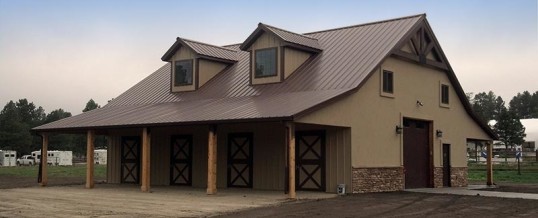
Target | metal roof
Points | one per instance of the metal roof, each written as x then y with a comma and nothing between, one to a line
349,55
297,40
202,49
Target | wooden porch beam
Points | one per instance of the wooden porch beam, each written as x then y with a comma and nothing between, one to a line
89,158
212,161
290,128
489,163
44,163
146,147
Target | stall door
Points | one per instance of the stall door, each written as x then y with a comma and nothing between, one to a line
416,153
181,160
310,160
130,159
240,160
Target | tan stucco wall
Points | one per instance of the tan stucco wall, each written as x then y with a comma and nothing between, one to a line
293,59
184,53
265,41
373,117
208,69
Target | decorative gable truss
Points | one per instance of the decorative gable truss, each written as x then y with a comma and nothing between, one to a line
421,46
198,62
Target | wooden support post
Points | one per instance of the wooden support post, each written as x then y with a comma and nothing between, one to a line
290,127
212,161
89,158
489,164
146,147
44,163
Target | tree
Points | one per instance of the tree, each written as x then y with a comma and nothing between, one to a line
91,105
534,105
487,106
510,130
14,134
522,105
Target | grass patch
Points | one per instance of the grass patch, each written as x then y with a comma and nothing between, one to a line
505,172
505,176
54,171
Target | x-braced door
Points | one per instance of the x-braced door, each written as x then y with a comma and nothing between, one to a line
240,160
130,159
310,160
181,160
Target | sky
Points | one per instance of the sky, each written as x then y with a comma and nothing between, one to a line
60,53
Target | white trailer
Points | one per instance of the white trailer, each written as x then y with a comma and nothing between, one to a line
99,156
8,158
55,158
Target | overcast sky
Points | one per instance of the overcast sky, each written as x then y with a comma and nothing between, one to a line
59,54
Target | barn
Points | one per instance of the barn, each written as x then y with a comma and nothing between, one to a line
375,107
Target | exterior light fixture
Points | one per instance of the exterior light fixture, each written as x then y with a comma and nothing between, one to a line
439,133
398,129
419,103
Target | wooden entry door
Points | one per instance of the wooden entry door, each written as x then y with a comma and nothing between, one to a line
310,160
181,160
240,160
446,165
130,159
416,143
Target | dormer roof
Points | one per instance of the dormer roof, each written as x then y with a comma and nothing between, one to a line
292,39
202,49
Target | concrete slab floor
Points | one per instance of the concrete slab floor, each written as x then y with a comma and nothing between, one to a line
127,201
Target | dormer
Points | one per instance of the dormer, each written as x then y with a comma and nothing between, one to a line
194,63
276,53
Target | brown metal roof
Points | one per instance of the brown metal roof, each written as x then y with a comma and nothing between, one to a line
202,49
297,40
349,55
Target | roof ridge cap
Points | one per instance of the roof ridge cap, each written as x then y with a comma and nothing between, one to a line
203,43
368,23
299,34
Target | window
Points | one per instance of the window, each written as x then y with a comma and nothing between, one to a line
444,94
183,73
265,62
388,80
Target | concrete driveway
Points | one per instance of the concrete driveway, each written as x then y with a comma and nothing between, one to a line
127,201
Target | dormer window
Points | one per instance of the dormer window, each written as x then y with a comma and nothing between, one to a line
183,73
266,62
276,53
193,64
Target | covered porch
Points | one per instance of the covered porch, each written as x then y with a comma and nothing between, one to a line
251,155
489,155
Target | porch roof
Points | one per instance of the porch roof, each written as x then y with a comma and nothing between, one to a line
280,106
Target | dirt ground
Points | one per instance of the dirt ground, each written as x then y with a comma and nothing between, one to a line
9,181
108,200
22,197
399,204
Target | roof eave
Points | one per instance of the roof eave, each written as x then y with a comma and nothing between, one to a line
172,50
252,38
205,122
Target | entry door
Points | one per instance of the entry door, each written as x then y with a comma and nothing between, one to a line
181,160
310,160
446,165
130,159
240,160
416,153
